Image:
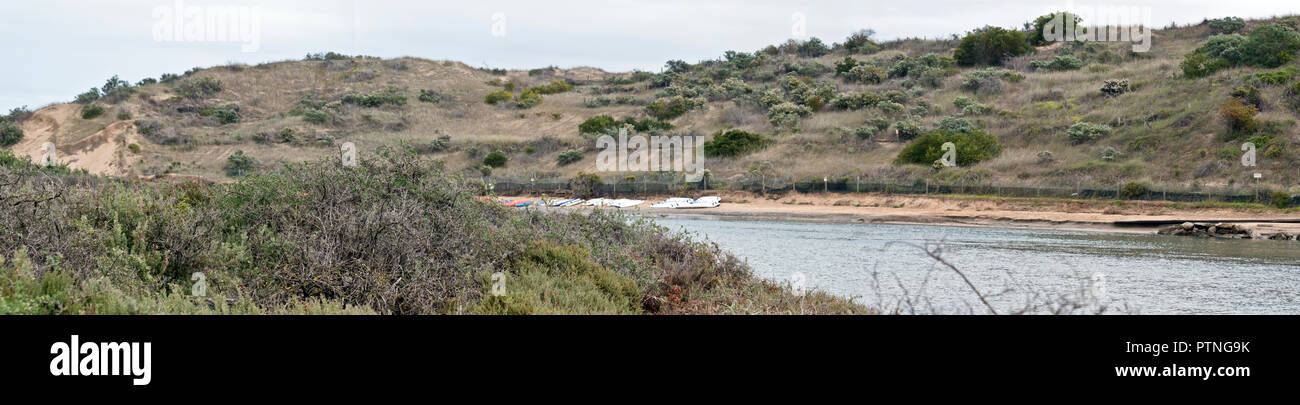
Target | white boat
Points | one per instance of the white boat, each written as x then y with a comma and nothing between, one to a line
595,202
702,202
623,203
672,203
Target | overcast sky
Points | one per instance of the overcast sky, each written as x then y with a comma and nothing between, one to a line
55,49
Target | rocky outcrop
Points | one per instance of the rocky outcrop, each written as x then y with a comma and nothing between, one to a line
1222,230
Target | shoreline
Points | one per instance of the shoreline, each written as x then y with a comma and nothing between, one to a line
957,211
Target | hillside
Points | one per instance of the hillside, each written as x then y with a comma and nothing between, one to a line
1166,131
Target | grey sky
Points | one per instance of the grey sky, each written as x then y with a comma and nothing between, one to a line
55,49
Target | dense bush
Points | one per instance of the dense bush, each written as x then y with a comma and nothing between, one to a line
989,46
813,48
989,81
954,124
240,164
1036,37
91,111
1280,199
1239,116
390,96
1110,154
1058,63
430,96
1226,25
869,74
855,101
1267,46
669,108
10,133
907,130
200,88
860,42
972,147
1082,132
1115,87
569,157
599,124
555,87
787,115
1132,190
734,142
226,114
528,99
496,159
497,97
88,97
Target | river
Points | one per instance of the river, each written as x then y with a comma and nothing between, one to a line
1015,270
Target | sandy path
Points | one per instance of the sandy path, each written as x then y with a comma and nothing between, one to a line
956,211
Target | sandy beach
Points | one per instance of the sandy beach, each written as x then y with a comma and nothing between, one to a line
1026,213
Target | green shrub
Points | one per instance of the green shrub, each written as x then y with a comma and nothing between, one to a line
1132,190
440,144
988,81
1058,63
200,88
1280,199
1036,37
430,96
1267,46
869,74
555,87
1226,25
599,124
226,114
860,42
1110,154
10,133
734,142
1115,87
972,147
989,46
787,115
889,107
976,109
496,97
92,111
1082,132
240,164
877,123
569,157
670,108
88,97
528,99
1239,116
496,159
953,124
389,96
842,67
855,101
585,185
813,48
907,130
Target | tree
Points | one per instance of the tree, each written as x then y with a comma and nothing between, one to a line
989,46
10,133
1036,37
813,48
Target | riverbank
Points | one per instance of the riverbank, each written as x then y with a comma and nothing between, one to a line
971,211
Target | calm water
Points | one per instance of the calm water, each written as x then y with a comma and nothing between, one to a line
1147,274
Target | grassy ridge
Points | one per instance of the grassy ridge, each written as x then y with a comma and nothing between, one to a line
397,235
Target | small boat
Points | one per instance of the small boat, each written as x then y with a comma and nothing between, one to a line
623,203
595,202
573,202
702,202
672,203
523,204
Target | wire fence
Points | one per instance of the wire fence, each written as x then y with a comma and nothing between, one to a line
613,187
